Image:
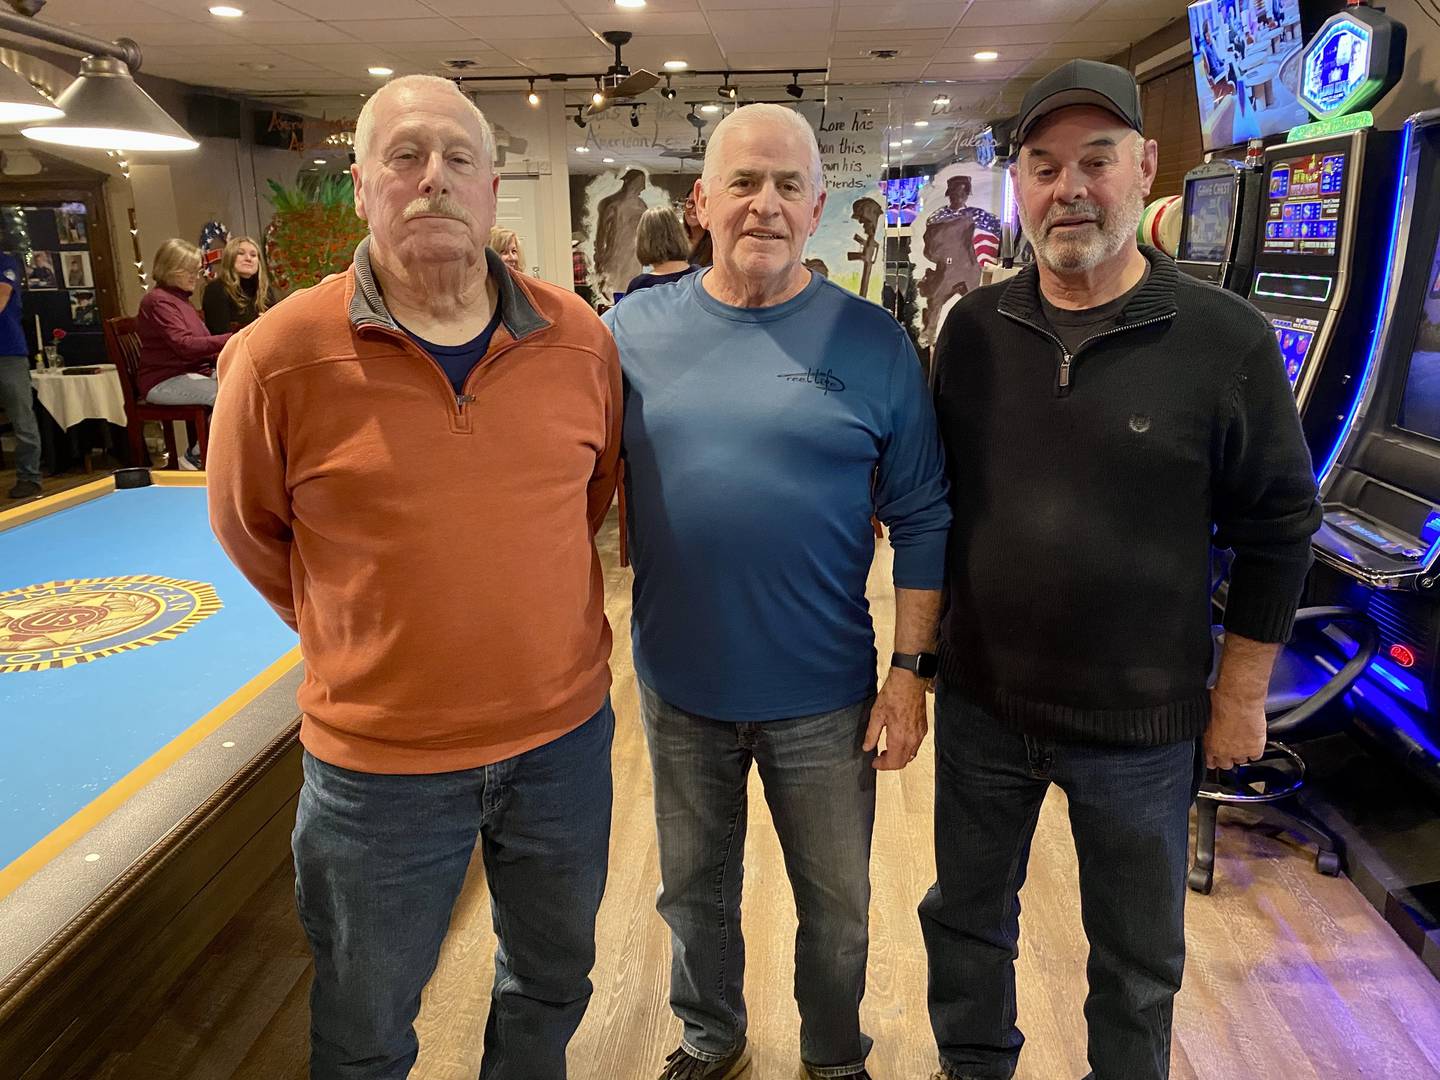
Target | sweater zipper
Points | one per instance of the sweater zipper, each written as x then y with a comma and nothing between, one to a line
1067,358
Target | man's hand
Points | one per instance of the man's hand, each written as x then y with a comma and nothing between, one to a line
1237,730
1237,704
899,710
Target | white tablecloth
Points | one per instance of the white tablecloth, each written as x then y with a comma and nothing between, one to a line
72,398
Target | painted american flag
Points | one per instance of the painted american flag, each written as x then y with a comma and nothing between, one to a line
987,235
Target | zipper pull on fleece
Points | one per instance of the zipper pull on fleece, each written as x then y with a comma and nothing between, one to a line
461,400
1065,371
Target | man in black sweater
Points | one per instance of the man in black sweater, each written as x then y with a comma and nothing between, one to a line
1106,419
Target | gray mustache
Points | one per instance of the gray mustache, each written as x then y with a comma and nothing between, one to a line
437,206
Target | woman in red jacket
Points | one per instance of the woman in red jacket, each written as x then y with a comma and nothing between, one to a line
177,350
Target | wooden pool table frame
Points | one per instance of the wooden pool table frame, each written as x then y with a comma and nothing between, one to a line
183,840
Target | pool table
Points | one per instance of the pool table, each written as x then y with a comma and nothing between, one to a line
149,760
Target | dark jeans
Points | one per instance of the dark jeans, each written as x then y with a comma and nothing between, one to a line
820,788
1129,815
18,403
379,862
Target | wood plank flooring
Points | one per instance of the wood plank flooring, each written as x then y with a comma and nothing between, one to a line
1291,975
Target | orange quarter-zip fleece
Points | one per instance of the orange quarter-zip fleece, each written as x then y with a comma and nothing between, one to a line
435,551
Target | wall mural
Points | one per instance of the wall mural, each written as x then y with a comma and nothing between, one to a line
956,231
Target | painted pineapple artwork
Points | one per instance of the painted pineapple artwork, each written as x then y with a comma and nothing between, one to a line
314,231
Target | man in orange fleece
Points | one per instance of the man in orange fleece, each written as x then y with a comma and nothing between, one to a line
410,461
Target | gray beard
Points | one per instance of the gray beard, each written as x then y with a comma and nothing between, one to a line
1073,256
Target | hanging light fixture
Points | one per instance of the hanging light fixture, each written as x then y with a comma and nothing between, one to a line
795,90
533,98
105,109
21,102
598,97
669,92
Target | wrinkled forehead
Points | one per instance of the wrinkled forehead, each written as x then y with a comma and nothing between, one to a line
765,147
420,113
1075,129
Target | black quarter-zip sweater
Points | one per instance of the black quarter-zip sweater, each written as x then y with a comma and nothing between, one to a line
1087,490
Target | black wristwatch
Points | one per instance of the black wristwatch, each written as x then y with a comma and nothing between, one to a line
923,664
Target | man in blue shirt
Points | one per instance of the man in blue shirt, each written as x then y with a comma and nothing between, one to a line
15,395
768,415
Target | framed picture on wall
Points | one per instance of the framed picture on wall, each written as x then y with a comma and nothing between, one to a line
43,271
82,309
76,267
70,223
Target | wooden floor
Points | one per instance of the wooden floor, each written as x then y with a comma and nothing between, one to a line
1291,976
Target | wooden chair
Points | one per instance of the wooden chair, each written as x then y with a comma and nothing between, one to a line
122,342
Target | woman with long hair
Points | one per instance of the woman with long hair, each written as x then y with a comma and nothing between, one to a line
241,291
506,243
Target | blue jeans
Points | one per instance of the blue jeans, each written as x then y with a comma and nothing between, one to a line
820,787
379,862
1129,816
188,389
18,403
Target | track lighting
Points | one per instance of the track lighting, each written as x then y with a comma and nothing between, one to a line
533,98
580,116
728,91
635,116
598,97
795,90
669,92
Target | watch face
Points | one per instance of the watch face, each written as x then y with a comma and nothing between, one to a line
928,665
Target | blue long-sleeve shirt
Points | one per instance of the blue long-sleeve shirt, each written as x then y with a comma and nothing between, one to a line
758,442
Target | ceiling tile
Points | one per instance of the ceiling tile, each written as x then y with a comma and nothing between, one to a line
195,9
761,5
899,16
815,58
982,37
984,71
526,49
360,9
645,22
1008,53
1015,12
598,7
1071,50
525,27
349,54
1093,29
77,12
308,32
174,32
498,7
395,31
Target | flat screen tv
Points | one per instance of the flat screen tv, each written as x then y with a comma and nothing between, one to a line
1246,57
902,198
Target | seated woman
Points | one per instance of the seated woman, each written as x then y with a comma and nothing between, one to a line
660,244
241,291
506,243
177,352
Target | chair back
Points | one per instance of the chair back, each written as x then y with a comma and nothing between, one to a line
122,342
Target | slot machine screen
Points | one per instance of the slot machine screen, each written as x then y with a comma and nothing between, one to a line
1420,405
1304,205
1209,209
1294,335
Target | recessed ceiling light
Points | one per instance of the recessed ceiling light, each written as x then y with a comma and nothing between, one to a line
382,71
676,65
906,142
320,161
987,54
895,142
225,11
710,108
629,3
582,149
922,123
608,160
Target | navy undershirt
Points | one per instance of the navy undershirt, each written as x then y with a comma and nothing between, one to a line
457,361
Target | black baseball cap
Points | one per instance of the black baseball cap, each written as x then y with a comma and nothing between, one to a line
1081,82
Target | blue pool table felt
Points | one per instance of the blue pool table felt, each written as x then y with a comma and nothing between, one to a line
66,735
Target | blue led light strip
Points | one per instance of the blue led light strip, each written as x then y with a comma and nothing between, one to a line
1381,309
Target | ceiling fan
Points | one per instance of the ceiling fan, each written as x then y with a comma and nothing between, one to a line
619,82
697,148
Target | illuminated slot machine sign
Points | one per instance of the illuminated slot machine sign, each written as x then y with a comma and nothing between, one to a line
1305,205
1294,335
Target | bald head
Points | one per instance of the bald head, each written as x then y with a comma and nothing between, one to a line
394,97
